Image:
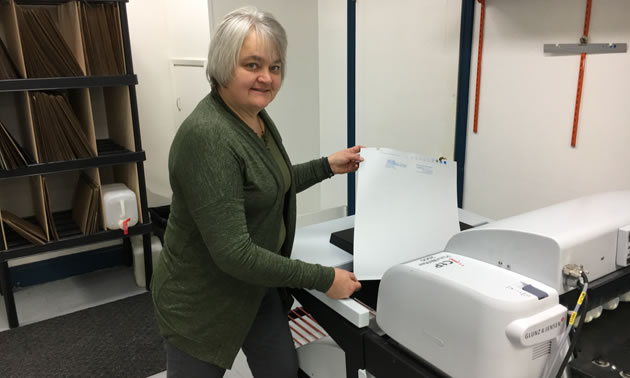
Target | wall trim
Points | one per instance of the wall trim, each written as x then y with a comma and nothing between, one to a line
463,85
352,20
321,216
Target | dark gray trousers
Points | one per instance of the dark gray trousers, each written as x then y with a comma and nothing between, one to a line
268,347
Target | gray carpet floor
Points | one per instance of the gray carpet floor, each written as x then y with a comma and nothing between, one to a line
117,339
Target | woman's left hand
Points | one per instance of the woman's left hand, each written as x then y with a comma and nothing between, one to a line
345,161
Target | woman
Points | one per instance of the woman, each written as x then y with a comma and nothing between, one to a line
219,282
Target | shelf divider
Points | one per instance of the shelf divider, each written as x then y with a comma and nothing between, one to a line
109,153
37,84
67,239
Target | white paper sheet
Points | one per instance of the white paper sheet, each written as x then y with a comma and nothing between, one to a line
406,208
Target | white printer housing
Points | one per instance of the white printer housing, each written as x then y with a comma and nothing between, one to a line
585,231
487,306
469,318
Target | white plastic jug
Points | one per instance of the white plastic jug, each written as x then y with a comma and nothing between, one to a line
121,208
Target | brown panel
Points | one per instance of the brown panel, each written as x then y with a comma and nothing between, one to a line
3,246
95,175
59,134
102,37
118,109
14,43
11,153
24,228
46,51
117,40
39,203
70,28
86,205
82,106
24,100
50,220
7,68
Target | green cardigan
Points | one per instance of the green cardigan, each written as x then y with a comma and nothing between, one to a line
218,258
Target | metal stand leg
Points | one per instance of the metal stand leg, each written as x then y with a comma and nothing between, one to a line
345,334
128,251
7,291
353,364
148,259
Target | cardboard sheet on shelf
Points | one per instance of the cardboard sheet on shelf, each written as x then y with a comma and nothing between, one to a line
3,246
39,204
46,53
81,101
24,228
58,133
12,155
86,204
7,67
70,29
406,208
102,39
50,220
13,42
26,115
119,119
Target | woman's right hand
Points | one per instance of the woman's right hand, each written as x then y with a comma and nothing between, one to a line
344,285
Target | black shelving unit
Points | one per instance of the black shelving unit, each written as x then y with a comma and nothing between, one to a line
41,84
109,153
69,237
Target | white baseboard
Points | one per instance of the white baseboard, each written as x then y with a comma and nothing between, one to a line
321,216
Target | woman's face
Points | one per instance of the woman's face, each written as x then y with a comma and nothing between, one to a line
256,78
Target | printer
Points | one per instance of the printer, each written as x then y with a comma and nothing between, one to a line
469,318
495,302
489,304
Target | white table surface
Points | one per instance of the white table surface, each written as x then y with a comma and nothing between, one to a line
312,243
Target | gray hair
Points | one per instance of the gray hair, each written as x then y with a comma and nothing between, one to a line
227,41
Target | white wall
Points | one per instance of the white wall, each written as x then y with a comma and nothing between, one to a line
310,110
295,110
189,34
188,46
150,34
521,158
406,91
163,32
406,79
333,115
406,72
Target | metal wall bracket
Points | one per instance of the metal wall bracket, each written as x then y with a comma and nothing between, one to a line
588,48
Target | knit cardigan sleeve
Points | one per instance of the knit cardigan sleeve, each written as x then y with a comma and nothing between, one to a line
310,173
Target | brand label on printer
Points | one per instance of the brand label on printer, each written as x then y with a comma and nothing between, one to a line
439,261
542,329
539,327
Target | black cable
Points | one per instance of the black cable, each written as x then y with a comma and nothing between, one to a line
573,333
576,351
577,332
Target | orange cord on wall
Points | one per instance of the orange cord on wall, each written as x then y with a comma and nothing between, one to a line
578,97
479,55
